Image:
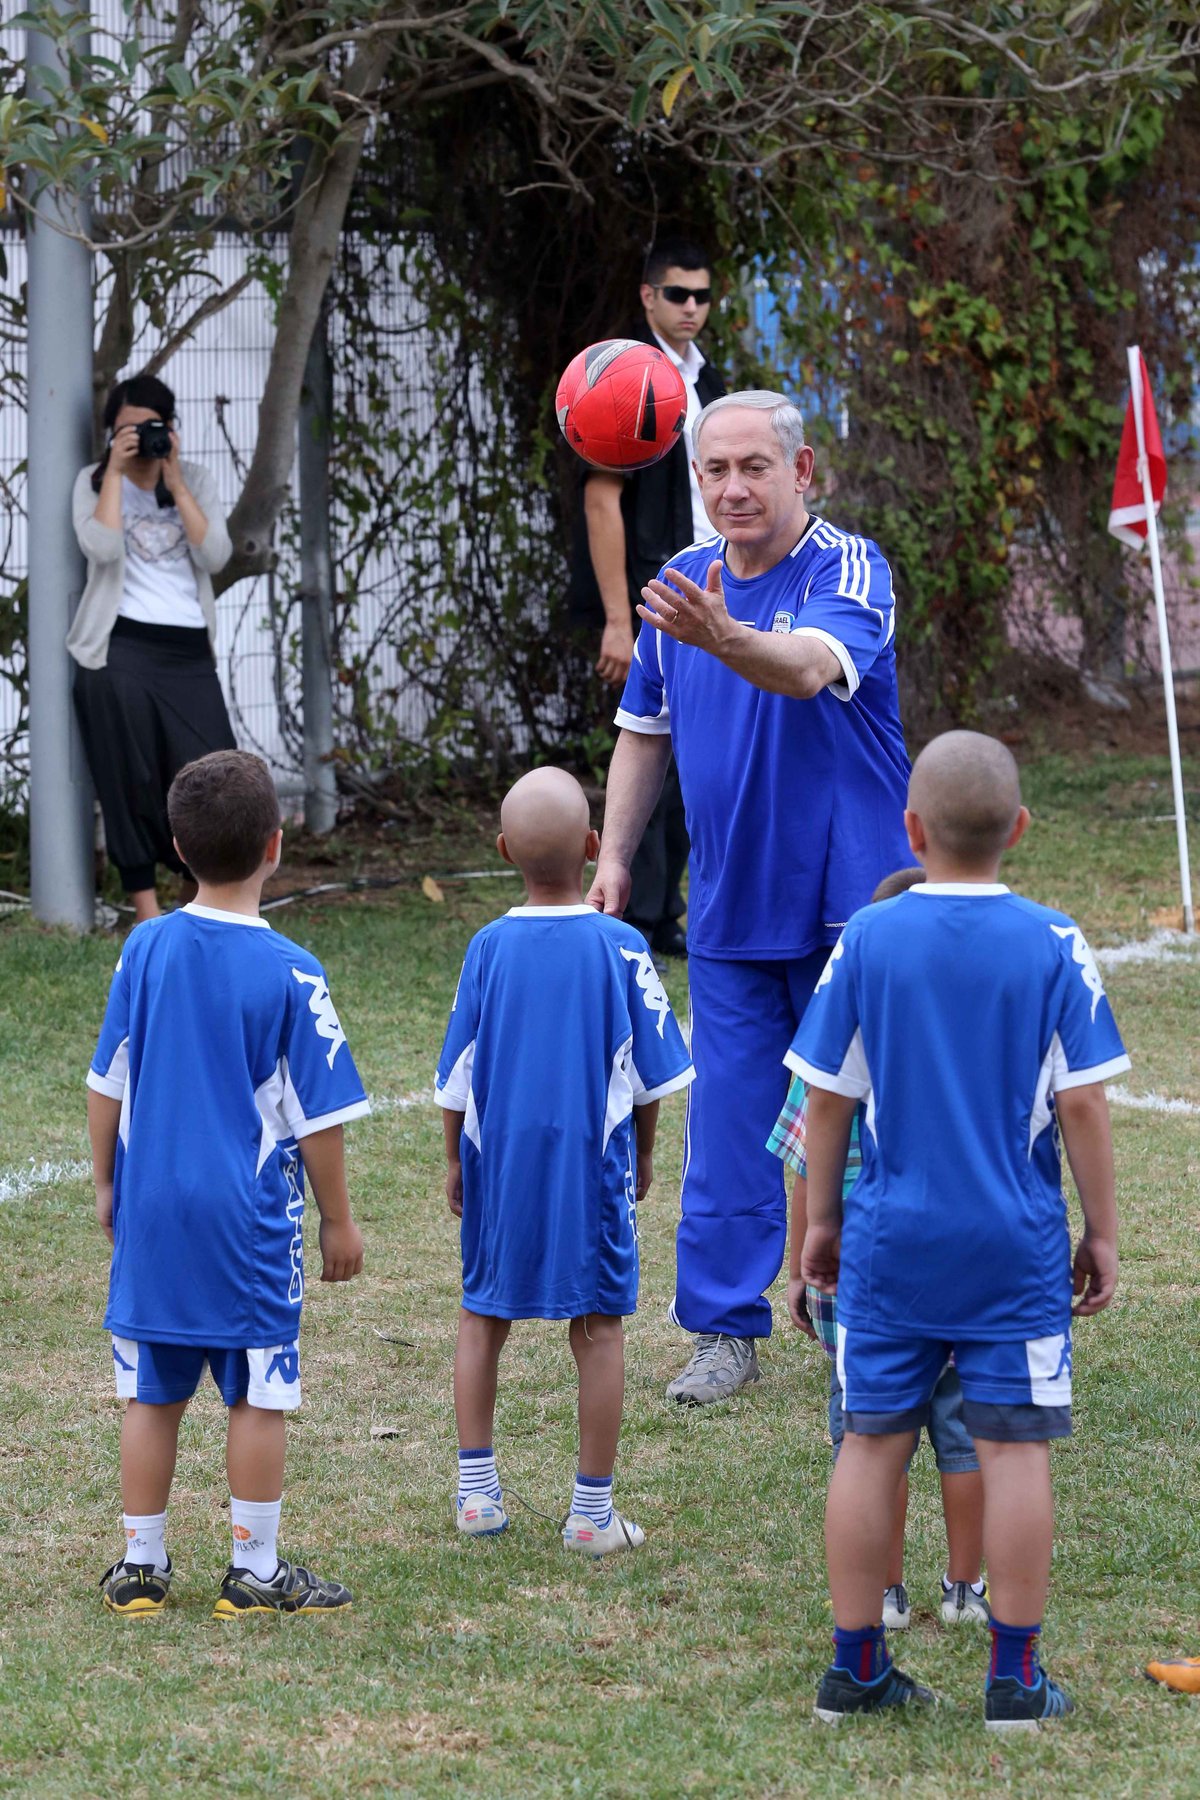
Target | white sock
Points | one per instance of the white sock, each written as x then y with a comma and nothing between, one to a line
593,1498
255,1528
144,1533
477,1474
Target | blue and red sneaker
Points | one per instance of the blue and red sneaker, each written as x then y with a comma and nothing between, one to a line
841,1694
1008,1705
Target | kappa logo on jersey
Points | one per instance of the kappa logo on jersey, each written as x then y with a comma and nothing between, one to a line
1082,955
287,1361
329,1026
839,950
654,996
295,1212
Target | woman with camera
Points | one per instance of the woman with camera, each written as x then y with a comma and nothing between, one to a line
146,689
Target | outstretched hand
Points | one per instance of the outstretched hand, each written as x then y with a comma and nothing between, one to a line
681,609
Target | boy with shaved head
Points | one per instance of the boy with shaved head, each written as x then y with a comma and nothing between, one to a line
560,1045
969,1021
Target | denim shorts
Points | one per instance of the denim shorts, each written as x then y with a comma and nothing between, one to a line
1010,1391
952,1445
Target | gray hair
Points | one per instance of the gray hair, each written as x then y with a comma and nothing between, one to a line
786,422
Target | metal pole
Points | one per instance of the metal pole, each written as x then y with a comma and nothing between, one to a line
1164,642
316,585
62,880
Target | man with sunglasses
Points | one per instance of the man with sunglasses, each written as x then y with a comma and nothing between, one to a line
631,526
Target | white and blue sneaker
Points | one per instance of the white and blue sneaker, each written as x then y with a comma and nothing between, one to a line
897,1611
583,1534
480,1516
964,1602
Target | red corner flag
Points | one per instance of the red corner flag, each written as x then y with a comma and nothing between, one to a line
1127,519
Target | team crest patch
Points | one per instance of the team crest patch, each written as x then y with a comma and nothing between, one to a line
654,996
783,622
321,1007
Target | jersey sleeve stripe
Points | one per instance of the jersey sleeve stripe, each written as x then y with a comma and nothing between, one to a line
112,1081
852,1087
840,690
1074,1078
665,1087
357,1109
455,1091
658,726
110,1085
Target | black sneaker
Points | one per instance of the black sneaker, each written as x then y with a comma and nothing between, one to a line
1008,1705
136,1590
841,1694
292,1589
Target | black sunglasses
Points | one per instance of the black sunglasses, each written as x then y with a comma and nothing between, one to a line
679,296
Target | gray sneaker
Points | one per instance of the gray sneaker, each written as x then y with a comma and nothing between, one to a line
719,1367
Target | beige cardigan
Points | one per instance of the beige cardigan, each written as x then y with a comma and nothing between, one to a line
104,548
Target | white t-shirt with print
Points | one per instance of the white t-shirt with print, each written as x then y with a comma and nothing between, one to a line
160,577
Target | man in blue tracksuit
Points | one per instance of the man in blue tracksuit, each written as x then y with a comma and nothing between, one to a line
766,662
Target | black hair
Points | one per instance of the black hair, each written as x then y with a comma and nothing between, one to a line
673,253
136,390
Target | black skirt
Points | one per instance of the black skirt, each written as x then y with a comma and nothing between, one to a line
156,705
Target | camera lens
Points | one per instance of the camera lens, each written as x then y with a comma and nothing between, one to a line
154,440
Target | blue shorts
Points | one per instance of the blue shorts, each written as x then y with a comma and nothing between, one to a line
163,1374
952,1444
1013,1392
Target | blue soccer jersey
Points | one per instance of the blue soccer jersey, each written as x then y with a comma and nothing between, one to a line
223,1047
794,807
560,1028
956,1012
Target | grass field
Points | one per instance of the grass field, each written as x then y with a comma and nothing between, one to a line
503,1668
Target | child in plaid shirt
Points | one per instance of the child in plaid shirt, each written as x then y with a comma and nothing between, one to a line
964,1593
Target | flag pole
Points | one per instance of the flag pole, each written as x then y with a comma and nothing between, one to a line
1164,641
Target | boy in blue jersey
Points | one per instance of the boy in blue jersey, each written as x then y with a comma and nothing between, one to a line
964,1592
560,1045
221,1068
974,1026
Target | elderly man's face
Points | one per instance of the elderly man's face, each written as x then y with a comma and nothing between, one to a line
751,492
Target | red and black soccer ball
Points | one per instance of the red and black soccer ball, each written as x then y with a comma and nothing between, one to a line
621,404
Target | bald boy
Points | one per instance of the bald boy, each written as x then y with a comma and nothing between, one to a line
967,1020
561,1044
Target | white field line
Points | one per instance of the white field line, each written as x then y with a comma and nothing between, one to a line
1158,1103
1159,947
28,1178
381,1103
19,1183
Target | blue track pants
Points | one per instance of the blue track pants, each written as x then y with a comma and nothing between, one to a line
733,1224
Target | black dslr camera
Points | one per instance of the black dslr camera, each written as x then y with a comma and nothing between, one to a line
154,440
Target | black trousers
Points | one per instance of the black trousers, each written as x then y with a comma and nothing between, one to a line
660,860
156,705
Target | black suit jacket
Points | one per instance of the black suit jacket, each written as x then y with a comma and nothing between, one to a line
656,505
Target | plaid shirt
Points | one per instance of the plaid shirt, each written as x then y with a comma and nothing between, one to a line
787,1141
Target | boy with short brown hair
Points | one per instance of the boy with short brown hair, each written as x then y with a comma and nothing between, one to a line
221,1076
